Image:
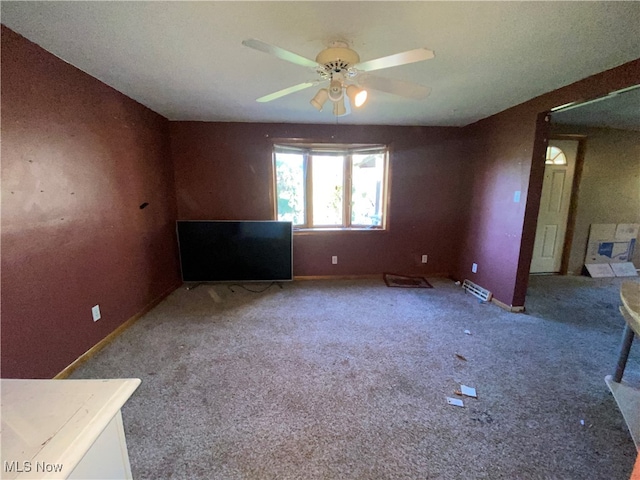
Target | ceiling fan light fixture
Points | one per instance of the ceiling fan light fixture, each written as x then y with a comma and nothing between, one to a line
320,98
357,95
338,53
335,90
340,65
339,108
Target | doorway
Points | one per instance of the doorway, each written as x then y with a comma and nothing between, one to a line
555,203
606,172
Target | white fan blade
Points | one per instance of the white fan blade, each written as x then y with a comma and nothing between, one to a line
411,56
396,87
286,91
279,52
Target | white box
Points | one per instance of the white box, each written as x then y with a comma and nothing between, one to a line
611,243
602,231
626,269
627,231
600,270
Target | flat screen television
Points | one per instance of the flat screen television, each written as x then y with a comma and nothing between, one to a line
225,250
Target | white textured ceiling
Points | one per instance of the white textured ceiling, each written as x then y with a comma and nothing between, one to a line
185,60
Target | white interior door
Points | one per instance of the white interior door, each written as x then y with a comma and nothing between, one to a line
554,206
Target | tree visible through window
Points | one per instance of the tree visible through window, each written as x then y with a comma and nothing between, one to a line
331,187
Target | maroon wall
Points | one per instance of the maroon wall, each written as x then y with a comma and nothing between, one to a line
224,171
78,160
507,151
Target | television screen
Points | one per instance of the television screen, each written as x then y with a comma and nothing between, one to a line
217,251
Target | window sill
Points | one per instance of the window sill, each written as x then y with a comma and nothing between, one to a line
314,231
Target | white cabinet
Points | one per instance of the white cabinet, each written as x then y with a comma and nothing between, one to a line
66,429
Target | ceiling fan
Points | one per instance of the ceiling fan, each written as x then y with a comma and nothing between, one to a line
346,75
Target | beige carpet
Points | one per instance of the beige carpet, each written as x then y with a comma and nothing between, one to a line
349,380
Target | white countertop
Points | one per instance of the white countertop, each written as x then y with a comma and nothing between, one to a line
48,425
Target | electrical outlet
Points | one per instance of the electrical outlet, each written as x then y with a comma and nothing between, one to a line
334,260
95,312
425,258
474,268
516,196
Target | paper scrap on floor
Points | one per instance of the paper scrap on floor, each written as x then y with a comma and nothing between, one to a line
455,402
213,294
468,391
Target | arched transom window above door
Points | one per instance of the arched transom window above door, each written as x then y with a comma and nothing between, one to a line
555,156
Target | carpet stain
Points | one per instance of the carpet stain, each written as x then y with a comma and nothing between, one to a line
484,418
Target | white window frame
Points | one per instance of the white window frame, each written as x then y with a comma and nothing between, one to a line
307,152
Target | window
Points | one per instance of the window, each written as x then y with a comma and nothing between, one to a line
555,156
328,186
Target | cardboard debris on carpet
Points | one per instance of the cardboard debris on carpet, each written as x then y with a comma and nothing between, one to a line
405,281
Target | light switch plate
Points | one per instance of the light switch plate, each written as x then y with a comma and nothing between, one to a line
516,196
95,312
